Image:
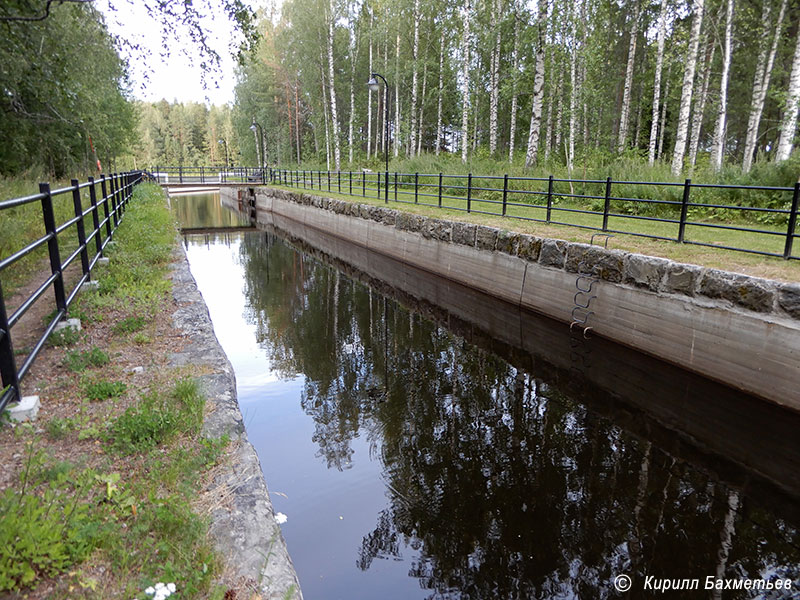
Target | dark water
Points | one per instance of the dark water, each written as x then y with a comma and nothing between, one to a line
417,457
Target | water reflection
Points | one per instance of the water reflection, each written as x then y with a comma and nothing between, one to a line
417,463
500,484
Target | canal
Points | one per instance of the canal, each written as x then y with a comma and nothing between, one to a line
414,457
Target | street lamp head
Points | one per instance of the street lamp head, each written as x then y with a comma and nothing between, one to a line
253,127
373,83
220,141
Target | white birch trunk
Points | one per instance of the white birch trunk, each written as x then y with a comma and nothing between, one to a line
551,95
574,91
513,132
538,88
414,53
297,117
396,126
719,133
761,81
494,94
422,105
353,58
327,124
789,122
662,31
686,91
369,93
703,80
334,117
626,93
441,88
662,129
465,83
559,109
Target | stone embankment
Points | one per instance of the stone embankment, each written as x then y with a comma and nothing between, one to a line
740,330
243,525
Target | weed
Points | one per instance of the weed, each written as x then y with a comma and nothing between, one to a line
130,325
65,337
143,426
58,428
77,361
140,339
103,389
44,533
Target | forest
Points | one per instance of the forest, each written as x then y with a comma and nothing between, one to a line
652,89
708,84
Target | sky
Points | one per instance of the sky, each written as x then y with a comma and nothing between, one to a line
175,76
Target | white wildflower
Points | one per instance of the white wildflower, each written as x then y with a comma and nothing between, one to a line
281,518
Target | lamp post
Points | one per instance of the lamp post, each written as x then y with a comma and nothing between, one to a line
259,131
225,143
375,86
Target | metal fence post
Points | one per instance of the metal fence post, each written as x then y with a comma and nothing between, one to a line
549,197
505,193
98,243
350,177
104,193
76,201
416,188
469,192
8,368
180,174
440,190
329,180
339,180
787,249
379,187
387,187
395,186
363,184
684,209
52,246
607,204
113,193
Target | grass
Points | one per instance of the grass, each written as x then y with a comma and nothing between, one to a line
570,225
124,501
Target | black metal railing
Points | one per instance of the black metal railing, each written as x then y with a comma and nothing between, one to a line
111,198
208,175
714,215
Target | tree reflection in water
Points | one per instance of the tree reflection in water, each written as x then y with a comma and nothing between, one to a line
501,484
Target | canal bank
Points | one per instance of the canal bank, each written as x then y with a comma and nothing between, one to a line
242,521
739,330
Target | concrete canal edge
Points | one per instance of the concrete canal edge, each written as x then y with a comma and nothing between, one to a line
739,330
243,524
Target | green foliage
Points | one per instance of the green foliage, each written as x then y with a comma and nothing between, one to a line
130,324
64,337
74,88
156,418
77,361
102,390
44,533
58,428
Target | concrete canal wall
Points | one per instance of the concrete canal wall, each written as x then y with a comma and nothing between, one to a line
739,330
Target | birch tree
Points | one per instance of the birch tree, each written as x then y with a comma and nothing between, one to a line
687,89
538,87
465,83
415,69
332,87
719,133
789,121
761,79
441,89
515,75
353,60
626,94
703,80
494,90
662,31
369,90
396,127
574,89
